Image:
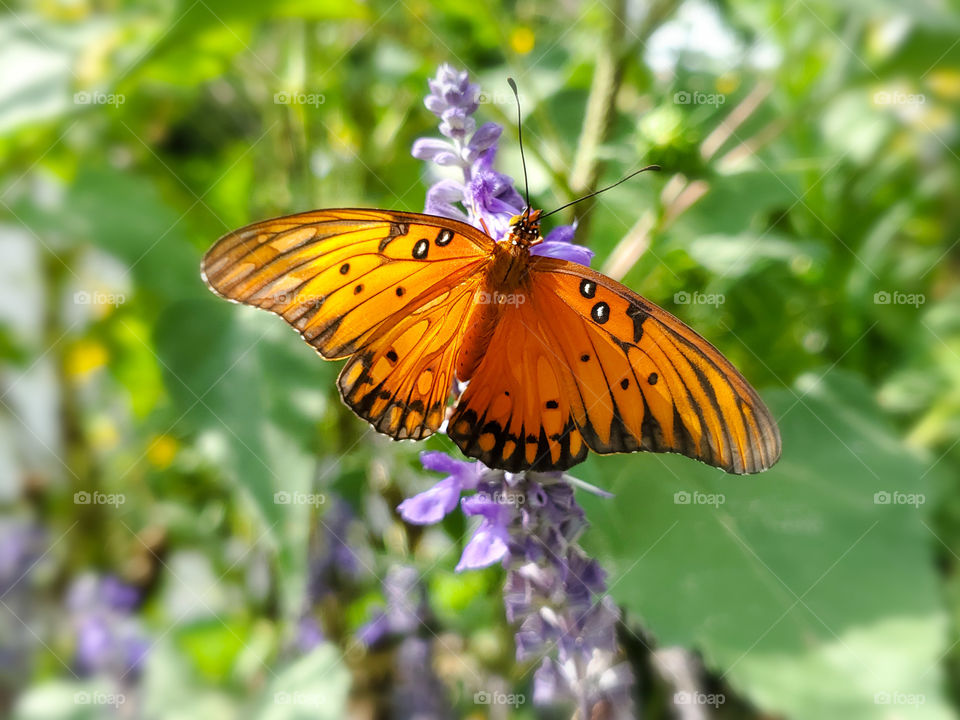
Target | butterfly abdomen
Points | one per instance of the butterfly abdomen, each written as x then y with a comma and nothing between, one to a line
481,323
504,285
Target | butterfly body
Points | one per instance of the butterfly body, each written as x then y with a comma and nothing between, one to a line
560,359
505,282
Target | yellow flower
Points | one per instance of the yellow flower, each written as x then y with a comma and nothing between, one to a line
945,83
161,451
85,357
522,40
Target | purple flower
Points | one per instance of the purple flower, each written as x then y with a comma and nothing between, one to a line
309,634
331,560
432,505
109,638
490,542
406,607
487,199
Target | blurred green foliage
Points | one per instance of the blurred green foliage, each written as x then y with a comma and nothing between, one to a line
805,221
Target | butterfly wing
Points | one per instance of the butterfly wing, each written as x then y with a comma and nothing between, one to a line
382,287
517,412
629,376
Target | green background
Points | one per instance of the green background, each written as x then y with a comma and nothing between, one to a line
805,221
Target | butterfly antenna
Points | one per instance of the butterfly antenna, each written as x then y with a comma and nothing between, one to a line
523,160
597,192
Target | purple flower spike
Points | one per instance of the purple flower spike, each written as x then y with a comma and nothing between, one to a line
530,522
488,197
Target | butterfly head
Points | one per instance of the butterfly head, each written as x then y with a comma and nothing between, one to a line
525,228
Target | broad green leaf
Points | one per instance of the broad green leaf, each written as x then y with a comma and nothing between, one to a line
314,687
809,588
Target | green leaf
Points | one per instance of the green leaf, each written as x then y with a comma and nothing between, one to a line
314,687
800,586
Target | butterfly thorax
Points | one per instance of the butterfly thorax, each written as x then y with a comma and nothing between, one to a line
511,256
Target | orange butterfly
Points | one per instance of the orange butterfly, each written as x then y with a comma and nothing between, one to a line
559,358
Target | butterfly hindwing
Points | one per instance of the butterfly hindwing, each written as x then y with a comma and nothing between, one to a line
516,413
401,381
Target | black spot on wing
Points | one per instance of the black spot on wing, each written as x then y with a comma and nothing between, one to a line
444,238
600,313
421,249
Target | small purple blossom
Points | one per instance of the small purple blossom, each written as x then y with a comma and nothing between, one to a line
432,505
418,692
406,607
109,638
309,634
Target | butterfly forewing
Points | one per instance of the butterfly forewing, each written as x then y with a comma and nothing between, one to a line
374,285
